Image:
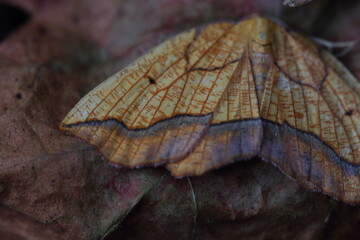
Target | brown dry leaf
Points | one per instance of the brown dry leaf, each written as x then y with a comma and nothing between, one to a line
65,186
253,204
44,173
25,226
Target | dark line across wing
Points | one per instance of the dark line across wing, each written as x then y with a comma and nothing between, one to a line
156,125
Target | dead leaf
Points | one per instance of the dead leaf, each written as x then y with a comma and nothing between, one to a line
64,185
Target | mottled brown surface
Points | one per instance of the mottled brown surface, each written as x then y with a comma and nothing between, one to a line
60,185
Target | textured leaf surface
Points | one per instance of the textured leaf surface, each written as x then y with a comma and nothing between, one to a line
57,187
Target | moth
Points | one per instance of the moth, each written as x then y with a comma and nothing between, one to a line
230,92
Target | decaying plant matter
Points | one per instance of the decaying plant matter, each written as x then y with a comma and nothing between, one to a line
58,185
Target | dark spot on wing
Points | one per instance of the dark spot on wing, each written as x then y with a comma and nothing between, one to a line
349,112
151,80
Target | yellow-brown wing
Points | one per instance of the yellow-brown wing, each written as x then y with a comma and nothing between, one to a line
235,131
231,92
309,109
311,119
157,109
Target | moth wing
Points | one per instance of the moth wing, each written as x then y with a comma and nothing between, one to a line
235,132
311,120
157,109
